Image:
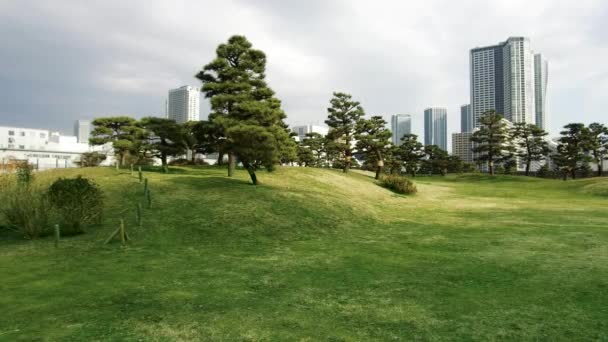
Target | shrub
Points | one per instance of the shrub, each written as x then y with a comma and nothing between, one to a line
25,209
91,159
398,184
24,173
186,162
79,202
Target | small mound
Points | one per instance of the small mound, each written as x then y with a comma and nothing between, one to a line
598,188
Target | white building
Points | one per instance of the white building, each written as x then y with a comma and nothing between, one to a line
183,104
435,127
302,130
503,78
401,124
82,131
43,148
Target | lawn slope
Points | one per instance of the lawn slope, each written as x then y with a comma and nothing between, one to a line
314,254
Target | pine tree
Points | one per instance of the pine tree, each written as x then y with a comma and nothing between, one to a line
597,144
530,142
571,155
411,152
342,119
491,140
122,131
245,107
166,138
373,138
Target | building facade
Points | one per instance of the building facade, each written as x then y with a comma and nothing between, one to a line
302,130
466,119
462,146
435,127
82,131
503,78
183,104
401,124
43,148
541,69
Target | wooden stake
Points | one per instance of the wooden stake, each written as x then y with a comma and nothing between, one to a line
140,174
138,214
145,186
57,235
131,169
149,199
122,231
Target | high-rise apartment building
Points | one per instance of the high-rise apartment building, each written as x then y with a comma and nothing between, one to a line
401,124
462,146
466,119
503,78
435,127
82,131
540,90
183,104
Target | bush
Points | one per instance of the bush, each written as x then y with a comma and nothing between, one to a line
91,159
186,162
79,202
26,209
398,184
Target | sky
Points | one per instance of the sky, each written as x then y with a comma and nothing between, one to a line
67,60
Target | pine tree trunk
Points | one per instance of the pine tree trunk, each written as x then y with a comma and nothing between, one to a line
380,165
491,167
220,158
251,171
346,162
231,164
528,168
600,166
163,160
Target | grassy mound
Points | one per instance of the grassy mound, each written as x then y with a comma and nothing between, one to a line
317,255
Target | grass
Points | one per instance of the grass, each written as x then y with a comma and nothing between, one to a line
317,255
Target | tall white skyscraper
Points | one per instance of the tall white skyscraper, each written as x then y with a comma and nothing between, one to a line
401,124
183,104
541,70
435,127
503,78
82,131
466,119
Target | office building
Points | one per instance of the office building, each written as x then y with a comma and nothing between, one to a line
435,127
540,90
401,124
183,104
466,119
503,79
43,148
302,130
462,146
82,131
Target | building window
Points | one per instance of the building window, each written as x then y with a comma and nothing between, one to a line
22,134
42,135
11,132
22,147
11,146
11,140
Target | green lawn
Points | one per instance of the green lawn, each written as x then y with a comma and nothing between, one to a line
317,255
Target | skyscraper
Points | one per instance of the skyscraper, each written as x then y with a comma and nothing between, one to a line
540,89
401,124
435,127
466,119
82,131
183,104
503,79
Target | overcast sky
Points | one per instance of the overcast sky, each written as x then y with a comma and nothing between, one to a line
65,60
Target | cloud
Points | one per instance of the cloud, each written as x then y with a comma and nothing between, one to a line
64,60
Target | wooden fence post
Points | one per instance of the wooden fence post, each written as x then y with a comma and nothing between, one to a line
57,235
141,176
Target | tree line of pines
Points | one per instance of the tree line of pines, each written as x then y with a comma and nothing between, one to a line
246,124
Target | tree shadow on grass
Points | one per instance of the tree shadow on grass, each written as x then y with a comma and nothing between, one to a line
213,182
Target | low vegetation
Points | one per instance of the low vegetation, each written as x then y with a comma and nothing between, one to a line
315,254
398,184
